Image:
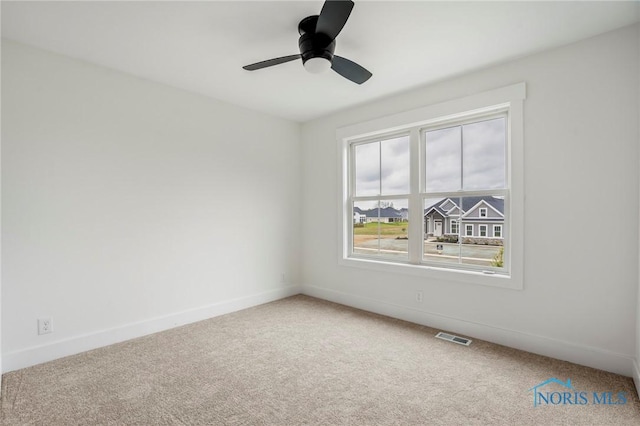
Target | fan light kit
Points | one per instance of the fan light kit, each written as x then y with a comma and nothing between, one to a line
318,42
317,65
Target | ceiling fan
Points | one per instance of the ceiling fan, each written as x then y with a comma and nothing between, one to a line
318,42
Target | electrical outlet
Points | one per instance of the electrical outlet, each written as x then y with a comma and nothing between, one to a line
419,296
45,325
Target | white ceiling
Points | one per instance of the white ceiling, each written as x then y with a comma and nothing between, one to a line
201,46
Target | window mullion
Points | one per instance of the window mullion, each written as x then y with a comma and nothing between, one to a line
379,192
415,200
461,158
461,190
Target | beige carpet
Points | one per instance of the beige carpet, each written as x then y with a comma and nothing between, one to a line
305,361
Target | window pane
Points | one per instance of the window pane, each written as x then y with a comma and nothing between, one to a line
367,164
484,154
455,231
366,232
443,159
380,228
395,166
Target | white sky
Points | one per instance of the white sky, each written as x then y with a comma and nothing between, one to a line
383,167
482,160
387,177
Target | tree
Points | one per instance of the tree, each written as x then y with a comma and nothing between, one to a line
384,204
498,260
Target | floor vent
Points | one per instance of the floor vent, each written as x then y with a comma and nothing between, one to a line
454,339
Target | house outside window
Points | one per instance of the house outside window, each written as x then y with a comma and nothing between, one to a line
414,182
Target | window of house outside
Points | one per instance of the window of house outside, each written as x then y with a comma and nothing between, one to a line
469,230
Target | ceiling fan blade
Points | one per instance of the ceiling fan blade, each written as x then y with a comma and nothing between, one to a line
271,62
350,70
333,16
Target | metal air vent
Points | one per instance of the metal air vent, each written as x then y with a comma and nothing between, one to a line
455,339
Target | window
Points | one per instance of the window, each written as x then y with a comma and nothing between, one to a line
465,163
380,190
413,173
468,230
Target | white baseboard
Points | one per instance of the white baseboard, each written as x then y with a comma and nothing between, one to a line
636,376
567,351
74,345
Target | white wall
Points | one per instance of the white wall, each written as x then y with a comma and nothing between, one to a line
581,224
636,373
129,206
0,242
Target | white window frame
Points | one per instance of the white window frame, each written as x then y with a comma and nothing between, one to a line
486,231
466,230
494,231
457,225
509,98
483,210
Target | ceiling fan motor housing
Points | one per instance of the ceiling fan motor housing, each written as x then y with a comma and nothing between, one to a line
312,44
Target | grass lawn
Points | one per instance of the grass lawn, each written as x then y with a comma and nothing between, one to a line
371,228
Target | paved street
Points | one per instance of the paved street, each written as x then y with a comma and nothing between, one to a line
470,253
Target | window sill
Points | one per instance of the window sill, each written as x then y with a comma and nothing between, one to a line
512,281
